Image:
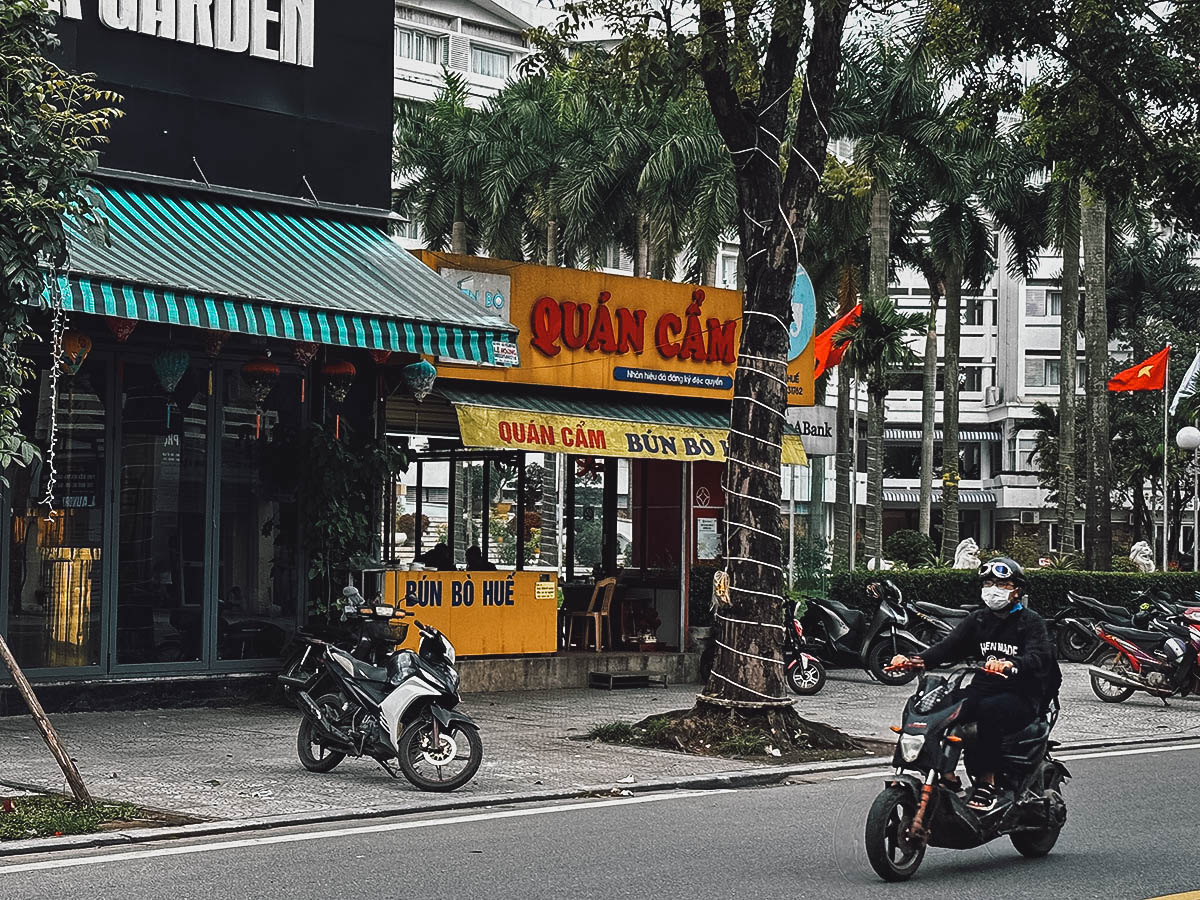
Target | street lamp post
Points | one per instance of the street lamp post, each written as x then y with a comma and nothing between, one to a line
1188,438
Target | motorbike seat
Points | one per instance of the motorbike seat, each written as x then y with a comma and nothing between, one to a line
1136,635
1109,610
852,617
944,612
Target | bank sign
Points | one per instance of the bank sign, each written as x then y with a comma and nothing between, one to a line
283,33
594,330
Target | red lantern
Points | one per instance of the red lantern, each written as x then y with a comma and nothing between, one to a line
339,375
76,346
379,357
121,328
261,375
304,352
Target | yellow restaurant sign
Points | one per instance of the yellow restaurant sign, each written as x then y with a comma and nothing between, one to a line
483,613
593,330
514,429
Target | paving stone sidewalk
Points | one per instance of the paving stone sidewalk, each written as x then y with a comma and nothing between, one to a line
240,763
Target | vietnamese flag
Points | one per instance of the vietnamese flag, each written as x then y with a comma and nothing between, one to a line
826,354
1150,375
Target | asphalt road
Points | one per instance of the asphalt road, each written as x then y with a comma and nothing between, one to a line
1132,832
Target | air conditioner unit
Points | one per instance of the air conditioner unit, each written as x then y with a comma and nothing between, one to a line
991,395
1030,517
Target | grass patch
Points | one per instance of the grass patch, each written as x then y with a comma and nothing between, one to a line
45,816
751,742
612,732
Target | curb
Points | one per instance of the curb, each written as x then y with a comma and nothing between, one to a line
737,778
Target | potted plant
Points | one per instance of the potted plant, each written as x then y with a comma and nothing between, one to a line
700,614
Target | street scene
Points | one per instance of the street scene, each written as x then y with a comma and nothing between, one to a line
612,449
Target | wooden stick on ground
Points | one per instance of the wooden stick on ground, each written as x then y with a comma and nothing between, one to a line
49,735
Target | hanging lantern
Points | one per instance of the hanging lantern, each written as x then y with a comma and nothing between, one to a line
76,345
170,365
379,357
121,328
214,341
418,378
339,375
304,352
260,374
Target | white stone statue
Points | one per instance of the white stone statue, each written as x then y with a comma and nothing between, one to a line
876,564
1142,556
966,554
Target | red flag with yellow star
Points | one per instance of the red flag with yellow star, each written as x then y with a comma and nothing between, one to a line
1150,375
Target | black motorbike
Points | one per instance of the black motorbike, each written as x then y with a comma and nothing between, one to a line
804,672
1076,621
838,635
918,808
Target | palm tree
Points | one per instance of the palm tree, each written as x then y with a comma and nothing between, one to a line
878,348
1098,522
438,154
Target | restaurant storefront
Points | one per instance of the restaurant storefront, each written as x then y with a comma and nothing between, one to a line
613,424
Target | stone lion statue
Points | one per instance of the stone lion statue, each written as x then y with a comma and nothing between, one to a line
875,564
966,554
1142,556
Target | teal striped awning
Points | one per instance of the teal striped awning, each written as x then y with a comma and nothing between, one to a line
208,262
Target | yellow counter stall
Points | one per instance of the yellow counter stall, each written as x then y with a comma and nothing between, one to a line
482,613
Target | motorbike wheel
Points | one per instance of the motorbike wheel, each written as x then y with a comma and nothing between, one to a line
428,767
808,681
888,850
1106,690
1036,844
314,755
880,653
1073,646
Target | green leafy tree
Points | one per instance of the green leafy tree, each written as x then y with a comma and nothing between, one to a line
52,123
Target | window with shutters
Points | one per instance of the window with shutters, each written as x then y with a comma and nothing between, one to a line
490,63
420,46
1035,371
1035,302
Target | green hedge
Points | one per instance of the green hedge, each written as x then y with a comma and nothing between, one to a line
1047,588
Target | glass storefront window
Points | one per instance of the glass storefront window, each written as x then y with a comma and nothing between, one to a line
258,570
588,522
160,571
55,559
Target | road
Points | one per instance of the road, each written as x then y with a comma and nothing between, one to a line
1131,833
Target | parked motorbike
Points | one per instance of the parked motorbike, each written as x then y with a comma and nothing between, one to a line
918,809
1077,640
1162,659
403,710
840,636
804,672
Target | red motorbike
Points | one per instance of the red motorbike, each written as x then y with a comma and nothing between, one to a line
1162,659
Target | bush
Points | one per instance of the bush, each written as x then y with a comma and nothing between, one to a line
1047,587
908,546
1024,549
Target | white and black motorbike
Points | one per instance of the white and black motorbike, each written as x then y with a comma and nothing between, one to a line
404,710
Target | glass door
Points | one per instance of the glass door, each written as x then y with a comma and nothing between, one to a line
161,614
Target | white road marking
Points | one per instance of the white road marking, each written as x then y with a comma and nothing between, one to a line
243,843
1098,754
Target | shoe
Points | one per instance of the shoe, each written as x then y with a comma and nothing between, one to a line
985,799
952,783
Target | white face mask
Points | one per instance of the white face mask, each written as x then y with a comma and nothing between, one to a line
997,599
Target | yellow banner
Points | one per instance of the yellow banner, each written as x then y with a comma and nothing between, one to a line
515,429
483,613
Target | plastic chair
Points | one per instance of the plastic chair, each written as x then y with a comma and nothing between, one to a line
597,615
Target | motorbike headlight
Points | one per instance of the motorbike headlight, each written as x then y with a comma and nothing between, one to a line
910,746
385,611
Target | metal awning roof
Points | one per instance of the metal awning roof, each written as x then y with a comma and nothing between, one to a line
636,424
910,495
209,262
915,434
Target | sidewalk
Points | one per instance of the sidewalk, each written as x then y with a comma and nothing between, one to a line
240,763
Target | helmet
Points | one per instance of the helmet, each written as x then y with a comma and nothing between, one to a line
1003,569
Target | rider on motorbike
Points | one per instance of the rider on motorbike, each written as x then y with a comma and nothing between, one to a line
1020,671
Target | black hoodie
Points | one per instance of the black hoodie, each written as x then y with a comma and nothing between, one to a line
1019,637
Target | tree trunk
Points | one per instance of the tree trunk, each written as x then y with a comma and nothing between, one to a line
458,230
641,259
1068,346
950,473
708,271
876,398
841,507
552,242
881,220
1098,521
928,412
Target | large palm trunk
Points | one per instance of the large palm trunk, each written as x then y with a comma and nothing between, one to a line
877,286
1068,346
458,228
950,472
841,508
1098,521
928,412
552,241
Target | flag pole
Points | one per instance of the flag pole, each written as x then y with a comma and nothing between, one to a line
1166,538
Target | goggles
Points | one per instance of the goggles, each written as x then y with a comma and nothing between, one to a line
996,571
